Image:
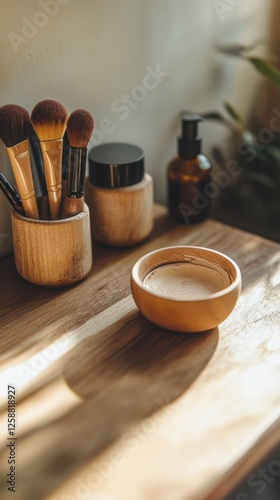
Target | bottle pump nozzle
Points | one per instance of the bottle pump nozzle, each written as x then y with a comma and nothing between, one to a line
189,144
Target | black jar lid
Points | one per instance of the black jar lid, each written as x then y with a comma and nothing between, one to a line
115,165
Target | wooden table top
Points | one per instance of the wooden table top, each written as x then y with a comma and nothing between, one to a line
111,407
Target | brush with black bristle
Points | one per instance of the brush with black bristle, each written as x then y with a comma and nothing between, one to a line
79,130
14,128
49,121
11,194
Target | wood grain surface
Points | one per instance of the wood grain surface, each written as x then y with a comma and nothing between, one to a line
121,216
111,407
53,253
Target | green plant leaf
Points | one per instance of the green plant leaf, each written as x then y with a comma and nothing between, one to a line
215,116
212,115
238,50
218,117
231,111
266,68
274,151
232,50
262,179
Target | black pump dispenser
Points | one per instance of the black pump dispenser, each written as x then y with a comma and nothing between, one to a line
189,144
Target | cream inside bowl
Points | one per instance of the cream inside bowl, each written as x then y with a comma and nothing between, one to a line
186,288
186,281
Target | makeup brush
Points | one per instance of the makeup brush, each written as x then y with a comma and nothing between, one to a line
11,193
14,128
79,129
65,164
36,155
49,121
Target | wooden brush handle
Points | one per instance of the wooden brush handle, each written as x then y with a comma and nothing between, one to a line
20,162
72,206
52,157
30,207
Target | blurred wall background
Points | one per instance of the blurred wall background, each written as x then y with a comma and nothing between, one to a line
135,64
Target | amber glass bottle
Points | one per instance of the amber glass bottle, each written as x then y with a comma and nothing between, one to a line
189,175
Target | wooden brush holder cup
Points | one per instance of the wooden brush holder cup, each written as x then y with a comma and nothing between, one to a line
52,253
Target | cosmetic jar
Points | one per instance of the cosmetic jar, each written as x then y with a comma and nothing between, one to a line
186,288
52,252
119,194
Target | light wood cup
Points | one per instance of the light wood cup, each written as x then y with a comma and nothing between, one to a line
52,253
186,315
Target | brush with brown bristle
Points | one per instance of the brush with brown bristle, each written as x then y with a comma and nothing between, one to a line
79,130
49,122
14,128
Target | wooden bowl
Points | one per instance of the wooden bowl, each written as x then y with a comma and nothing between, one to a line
186,288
